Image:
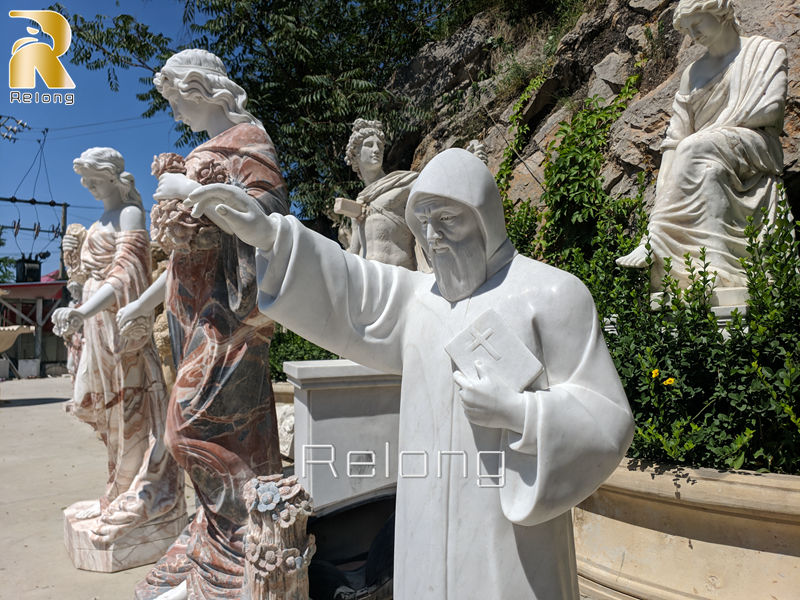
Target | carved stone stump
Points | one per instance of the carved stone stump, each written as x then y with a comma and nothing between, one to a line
277,548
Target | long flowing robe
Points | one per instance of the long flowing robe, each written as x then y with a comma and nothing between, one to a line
726,167
221,426
119,389
455,540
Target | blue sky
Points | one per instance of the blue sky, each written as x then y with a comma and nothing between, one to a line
98,117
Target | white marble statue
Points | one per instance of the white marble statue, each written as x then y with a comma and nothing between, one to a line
118,389
722,156
545,439
378,225
478,148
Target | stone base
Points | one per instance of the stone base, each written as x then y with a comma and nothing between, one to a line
721,297
689,534
142,546
729,296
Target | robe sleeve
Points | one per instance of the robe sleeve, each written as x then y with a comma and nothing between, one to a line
255,167
680,125
348,305
577,430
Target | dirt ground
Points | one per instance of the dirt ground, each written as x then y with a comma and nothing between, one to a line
48,460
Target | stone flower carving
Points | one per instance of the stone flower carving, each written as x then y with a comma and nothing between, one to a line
277,548
172,225
210,171
167,162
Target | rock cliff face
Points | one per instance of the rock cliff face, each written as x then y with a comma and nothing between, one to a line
595,57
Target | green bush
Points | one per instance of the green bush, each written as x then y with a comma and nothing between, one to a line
286,346
701,395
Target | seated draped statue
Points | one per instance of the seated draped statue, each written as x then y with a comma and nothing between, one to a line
118,387
379,229
722,155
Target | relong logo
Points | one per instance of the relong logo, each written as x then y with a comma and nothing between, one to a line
30,55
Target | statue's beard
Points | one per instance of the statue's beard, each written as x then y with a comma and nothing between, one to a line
460,271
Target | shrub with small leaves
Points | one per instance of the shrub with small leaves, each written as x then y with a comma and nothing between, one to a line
701,394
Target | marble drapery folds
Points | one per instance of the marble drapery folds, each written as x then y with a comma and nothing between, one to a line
221,424
383,234
120,392
726,167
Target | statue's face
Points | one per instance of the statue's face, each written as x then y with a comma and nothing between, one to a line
704,28
192,113
455,245
371,153
100,184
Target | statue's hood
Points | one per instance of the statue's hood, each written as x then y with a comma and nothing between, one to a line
461,176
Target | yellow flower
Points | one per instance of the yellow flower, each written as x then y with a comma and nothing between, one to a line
669,381
654,374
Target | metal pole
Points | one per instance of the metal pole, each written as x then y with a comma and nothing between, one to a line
37,336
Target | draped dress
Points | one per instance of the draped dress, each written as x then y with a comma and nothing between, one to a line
119,389
386,236
222,425
726,167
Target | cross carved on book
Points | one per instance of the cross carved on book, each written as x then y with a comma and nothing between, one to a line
482,340
490,340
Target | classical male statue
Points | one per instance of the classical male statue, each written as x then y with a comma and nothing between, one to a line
503,361
722,156
221,424
118,387
379,230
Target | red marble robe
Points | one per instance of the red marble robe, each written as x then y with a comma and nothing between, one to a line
221,425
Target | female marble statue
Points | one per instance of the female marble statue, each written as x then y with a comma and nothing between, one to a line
722,156
118,387
380,232
221,423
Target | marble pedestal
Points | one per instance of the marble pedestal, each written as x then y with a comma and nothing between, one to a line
345,431
143,545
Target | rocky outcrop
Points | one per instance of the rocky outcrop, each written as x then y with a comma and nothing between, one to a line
438,79
595,57
637,135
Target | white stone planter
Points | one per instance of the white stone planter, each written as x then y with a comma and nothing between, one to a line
690,534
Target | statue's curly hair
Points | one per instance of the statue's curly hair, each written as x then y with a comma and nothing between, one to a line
362,129
722,9
199,75
94,161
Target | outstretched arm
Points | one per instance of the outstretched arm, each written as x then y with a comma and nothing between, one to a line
234,211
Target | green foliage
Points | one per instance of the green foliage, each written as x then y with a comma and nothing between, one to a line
725,398
702,395
521,221
286,346
8,269
309,69
574,193
656,49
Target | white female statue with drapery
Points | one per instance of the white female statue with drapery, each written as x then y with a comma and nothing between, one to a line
722,153
119,389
